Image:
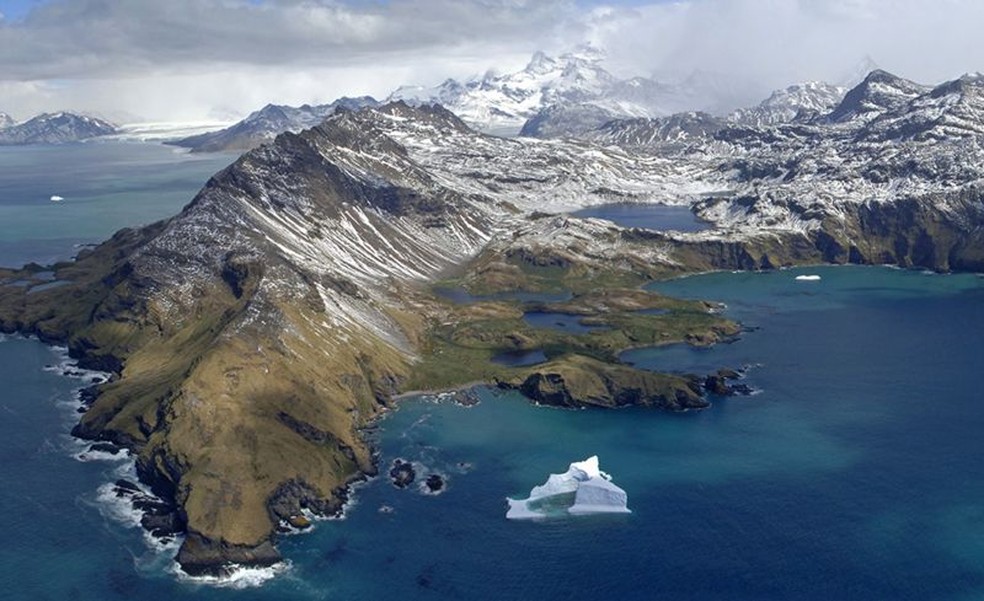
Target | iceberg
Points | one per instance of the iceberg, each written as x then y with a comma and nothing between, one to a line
807,278
582,489
57,198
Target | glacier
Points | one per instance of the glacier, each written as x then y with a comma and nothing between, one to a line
582,489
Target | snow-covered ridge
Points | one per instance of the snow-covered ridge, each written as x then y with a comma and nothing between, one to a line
262,126
55,128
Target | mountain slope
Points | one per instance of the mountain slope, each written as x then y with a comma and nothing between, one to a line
55,128
879,92
6,120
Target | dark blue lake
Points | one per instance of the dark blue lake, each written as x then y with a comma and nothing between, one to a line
520,358
647,216
562,322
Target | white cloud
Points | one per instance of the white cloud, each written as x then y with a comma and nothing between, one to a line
186,58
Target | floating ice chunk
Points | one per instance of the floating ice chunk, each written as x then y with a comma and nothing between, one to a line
582,489
808,278
57,199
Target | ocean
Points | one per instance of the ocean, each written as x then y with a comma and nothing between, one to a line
104,186
854,472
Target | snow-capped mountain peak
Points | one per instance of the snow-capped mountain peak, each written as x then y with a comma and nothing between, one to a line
503,102
879,92
795,102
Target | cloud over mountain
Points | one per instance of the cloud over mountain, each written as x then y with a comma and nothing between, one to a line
186,58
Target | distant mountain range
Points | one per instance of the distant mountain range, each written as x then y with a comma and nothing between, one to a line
553,97
52,128
264,125
576,84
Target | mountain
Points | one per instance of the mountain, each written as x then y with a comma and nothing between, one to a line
564,95
502,103
6,120
55,128
951,111
679,131
700,92
879,92
256,334
795,103
264,125
669,134
550,97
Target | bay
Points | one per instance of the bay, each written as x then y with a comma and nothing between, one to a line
856,471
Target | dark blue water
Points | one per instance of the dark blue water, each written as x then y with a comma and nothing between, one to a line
520,358
105,186
647,216
561,322
461,296
856,474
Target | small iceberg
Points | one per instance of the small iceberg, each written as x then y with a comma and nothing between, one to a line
57,199
582,489
807,278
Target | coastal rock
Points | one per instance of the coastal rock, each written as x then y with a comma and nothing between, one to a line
402,473
721,384
200,556
434,484
578,381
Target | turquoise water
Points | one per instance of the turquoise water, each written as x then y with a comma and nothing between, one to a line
855,473
105,186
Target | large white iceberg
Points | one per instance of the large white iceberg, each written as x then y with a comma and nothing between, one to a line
582,489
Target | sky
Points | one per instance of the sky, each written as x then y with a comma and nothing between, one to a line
193,60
